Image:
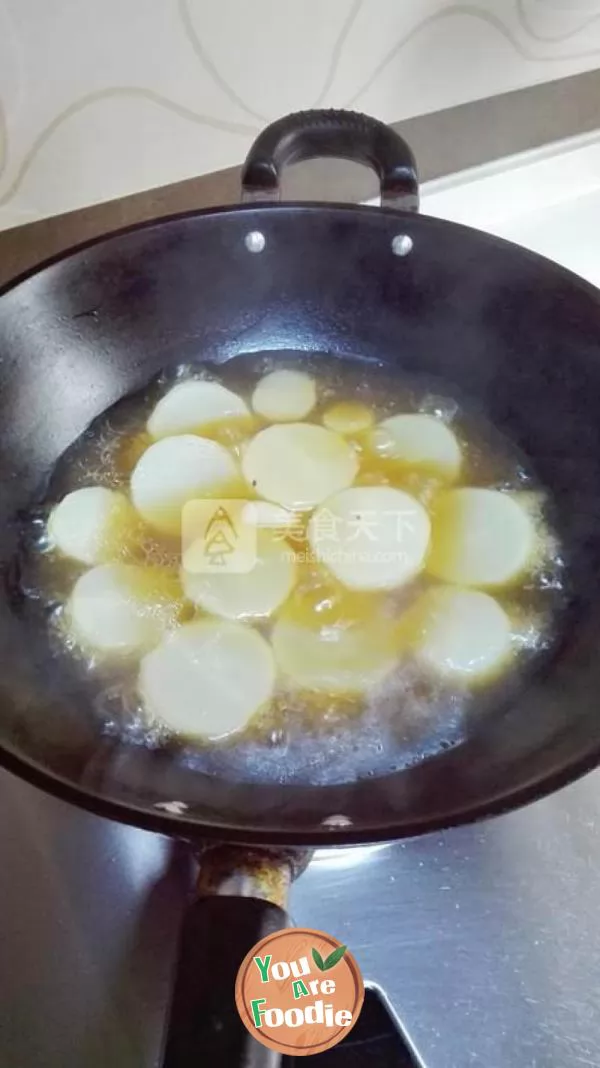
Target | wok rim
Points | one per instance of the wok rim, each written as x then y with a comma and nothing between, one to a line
292,206
184,827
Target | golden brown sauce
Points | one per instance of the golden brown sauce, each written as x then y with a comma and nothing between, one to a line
323,736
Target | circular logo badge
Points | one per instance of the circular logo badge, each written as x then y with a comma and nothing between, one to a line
299,991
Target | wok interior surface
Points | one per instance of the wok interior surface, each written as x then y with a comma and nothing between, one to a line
517,336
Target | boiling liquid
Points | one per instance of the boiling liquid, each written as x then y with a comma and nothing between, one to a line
303,737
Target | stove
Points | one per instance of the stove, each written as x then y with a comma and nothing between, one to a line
482,942
485,939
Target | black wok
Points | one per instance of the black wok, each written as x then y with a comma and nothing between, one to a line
513,332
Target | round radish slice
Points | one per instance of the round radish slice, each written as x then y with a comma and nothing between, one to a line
419,441
371,537
348,417
285,396
337,659
480,537
123,609
92,525
176,470
251,594
298,465
208,678
190,407
464,633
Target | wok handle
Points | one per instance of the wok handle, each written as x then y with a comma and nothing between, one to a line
328,132
204,1026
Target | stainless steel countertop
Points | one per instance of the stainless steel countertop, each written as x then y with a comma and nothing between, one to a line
486,938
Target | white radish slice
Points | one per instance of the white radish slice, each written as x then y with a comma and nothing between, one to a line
189,407
123,609
419,441
92,525
285,396
176,470
251,594
464,633
371,537
298,465
348,417
336,660
208,678
480,537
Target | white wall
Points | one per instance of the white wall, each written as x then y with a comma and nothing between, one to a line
100,98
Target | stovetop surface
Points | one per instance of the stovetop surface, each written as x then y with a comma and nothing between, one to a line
486,939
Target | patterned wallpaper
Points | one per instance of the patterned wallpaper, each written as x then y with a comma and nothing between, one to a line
100,99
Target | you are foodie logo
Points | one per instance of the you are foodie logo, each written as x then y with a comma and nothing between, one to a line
299,991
